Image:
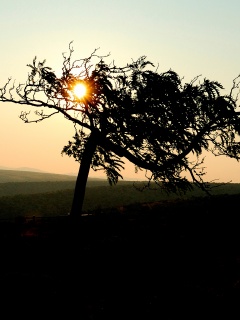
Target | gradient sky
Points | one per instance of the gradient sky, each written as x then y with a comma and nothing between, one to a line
191,37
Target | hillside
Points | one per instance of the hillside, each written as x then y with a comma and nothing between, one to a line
30,176
14,182
50,195
34,176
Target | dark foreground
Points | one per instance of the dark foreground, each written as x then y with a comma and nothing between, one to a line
160,262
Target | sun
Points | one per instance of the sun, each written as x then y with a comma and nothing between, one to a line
80,90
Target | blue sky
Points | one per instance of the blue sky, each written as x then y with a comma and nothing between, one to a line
189,36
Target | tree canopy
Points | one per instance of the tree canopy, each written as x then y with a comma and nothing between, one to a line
153,119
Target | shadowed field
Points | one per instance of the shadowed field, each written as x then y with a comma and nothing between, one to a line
141,261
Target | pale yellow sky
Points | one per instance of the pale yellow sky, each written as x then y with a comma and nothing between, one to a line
191,37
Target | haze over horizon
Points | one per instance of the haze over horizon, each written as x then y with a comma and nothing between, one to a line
190,37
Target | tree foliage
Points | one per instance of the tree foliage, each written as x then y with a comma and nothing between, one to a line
153,119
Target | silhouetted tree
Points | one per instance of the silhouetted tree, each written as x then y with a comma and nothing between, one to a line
154,120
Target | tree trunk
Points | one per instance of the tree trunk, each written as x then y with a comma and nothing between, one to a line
81,182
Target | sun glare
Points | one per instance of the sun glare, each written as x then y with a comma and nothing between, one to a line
80,90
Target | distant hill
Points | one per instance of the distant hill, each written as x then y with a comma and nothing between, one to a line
13,182
30,176
21,169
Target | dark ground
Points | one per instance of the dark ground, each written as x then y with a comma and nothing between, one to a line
148,262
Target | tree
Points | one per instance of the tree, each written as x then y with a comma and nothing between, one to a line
153,119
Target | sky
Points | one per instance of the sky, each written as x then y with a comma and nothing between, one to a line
191,37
